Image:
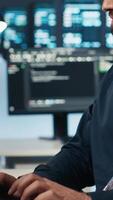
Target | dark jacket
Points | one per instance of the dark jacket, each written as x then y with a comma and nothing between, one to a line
87,159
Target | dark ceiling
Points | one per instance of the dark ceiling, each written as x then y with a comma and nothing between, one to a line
15,3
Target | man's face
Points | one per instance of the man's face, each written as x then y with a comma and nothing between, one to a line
108,6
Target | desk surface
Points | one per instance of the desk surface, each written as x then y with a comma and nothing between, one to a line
17,172
29,147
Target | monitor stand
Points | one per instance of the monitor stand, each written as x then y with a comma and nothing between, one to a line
60,126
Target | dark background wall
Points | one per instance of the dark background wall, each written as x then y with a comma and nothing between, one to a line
10,3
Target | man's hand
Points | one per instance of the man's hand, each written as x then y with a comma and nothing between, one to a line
34,187
6,180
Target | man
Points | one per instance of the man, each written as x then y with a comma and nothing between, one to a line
84,161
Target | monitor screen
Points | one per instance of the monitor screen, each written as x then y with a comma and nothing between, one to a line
45,25
81,24
15,38
49,80
21,126
73,120
16,17
15,34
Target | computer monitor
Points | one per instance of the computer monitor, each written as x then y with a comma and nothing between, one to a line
15,35
27,126
45,24
82,24
50,80
21,126
73,120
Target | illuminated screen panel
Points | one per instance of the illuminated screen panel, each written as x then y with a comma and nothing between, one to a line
15,34
73,120
49,81
81,25
14,37
45,26
22,127
108,35
16,18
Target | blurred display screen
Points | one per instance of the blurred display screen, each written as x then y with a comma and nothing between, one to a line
45,26
15,35
16,17
73,120
81,25
49,80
